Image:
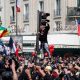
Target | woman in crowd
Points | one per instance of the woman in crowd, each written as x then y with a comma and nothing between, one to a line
58,68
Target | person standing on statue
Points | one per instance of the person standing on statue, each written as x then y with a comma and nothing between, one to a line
43,31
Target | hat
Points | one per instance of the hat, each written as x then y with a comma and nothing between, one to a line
54,74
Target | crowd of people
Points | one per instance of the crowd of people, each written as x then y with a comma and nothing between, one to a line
35,68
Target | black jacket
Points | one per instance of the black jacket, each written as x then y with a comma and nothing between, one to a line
43,33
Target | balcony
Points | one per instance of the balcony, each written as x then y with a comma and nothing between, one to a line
73,12
66,29
26,17
57,13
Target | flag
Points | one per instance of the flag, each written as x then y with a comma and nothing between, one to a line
1,43
3,31
10,43
2,47
16,53
6,50
78,26
17,6
12,46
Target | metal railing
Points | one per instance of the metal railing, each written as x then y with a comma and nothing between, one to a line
73,11
66,28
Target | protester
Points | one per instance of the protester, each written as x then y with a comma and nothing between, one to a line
58,68
44,28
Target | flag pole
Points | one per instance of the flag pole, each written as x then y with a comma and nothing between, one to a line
37,36
16,18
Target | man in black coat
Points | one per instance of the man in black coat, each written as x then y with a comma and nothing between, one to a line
43,31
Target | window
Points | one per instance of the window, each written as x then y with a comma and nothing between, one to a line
41,5
58,7
26,12
12,17
78,3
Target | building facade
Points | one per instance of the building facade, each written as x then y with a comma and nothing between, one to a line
60,14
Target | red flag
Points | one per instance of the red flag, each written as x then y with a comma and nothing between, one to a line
51,51
17,6
78,29
12,44
16,53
